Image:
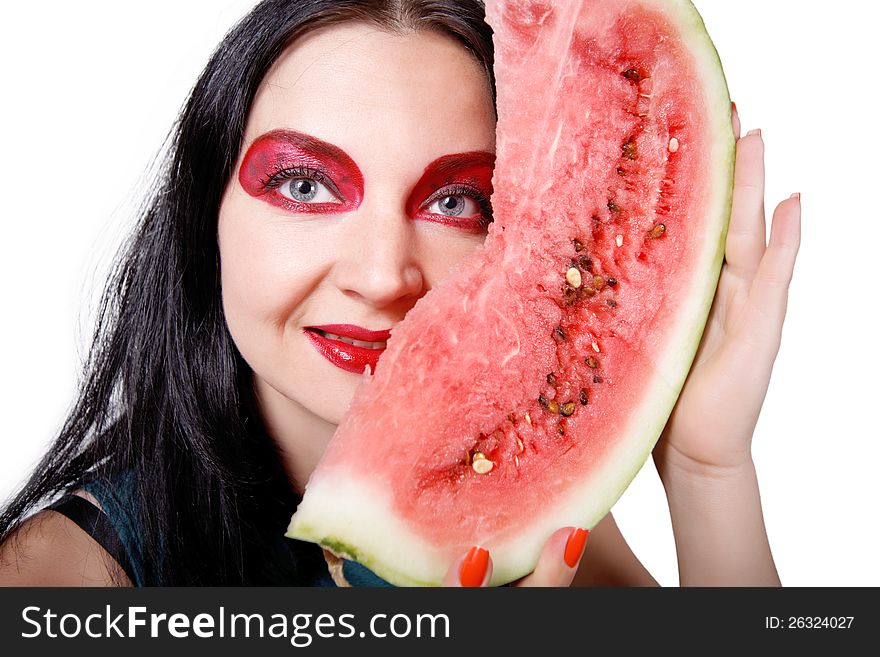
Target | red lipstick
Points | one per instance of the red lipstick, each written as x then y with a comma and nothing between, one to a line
349,357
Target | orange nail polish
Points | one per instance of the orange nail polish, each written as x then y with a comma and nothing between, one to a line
574,548
733,106
473,569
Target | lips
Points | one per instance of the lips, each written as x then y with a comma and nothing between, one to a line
329,341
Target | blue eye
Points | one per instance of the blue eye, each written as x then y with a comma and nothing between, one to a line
307,190
455,205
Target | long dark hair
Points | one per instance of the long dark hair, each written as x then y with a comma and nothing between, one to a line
165,397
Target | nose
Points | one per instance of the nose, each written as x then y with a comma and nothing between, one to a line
376,257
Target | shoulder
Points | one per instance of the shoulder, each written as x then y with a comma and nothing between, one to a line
49,549
609,561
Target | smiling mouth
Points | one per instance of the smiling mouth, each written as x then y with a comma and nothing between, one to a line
351,341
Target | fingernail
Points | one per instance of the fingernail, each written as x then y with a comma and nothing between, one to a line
796,195
473,569
574,548
756,131
733,106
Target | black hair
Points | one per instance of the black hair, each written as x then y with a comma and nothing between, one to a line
165,397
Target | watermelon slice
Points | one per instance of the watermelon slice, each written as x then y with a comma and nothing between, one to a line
525,392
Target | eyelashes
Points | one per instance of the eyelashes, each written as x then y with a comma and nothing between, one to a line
299,189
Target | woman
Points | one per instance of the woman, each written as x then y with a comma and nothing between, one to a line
205,407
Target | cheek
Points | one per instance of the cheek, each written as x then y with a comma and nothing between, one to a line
261,285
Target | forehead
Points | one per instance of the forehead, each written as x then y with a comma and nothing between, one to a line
413,96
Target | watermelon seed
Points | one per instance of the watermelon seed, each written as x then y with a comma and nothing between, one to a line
597,378
629,150
542,400
612,303
578,246
598,282
553,406
567,409
573,276
583,396
528,420
632,75
561,427
612,282
613,207
619,240
551,379
620,171
595,347
511,418
558,334
673,145
591,362
587,291
657,231
585,263
481,464
570,294
516,460
519,443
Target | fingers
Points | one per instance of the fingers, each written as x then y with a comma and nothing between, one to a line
769,290
559,560
474,568
557,564
746,236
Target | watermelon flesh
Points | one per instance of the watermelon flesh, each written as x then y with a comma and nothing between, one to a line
524,393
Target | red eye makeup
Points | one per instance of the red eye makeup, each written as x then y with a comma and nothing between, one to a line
455,191
301,173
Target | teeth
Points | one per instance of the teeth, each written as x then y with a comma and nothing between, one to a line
356,343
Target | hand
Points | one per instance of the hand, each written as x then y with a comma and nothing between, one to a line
710,429
557,564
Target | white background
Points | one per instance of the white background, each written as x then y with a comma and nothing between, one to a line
90,90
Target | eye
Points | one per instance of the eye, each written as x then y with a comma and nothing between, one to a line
307,190
455,205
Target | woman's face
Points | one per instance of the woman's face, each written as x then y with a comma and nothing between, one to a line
363,181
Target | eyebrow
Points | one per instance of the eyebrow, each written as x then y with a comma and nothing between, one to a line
457,161
306,142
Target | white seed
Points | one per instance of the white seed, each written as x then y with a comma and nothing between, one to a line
519,444
673,145
619,240
573,276
595,347
529,419
516,460
482,466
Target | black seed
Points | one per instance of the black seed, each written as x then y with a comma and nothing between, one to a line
612,282
567,409
613,206
583,396
577,245
591,362
553,406
511,418
551,379
597,378
587,291
561,427
629,150
632,75
620,171
585,263
612,303
559,334
542,400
